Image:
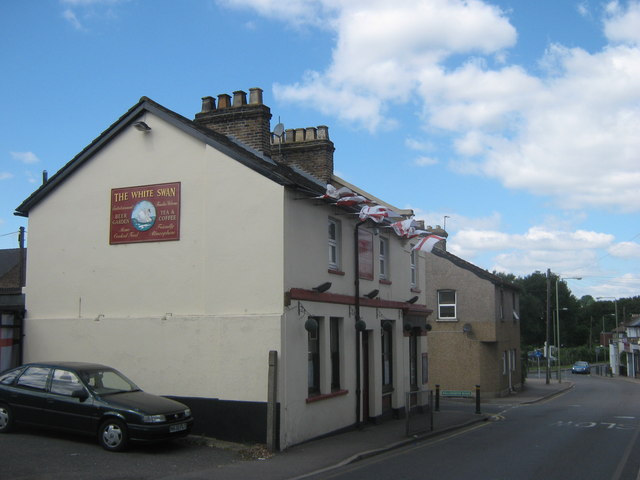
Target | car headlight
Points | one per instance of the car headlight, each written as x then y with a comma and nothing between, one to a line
154,419
187,412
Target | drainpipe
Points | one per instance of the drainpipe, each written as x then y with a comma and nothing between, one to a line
357,307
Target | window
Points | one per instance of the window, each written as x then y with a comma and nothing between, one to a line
413,361
383,257
334,341
34,377
387,357
447,304
414,268
64,383
313,361
504,363
365,254
334,244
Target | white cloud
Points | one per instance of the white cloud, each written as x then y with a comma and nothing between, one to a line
25,157
424,161
568,133
623,25
5,175
625,250
71,17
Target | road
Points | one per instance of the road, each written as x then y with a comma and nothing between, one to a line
589,432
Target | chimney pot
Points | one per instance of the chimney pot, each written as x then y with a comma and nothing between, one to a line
323,132
299,135
255,96
224,101
290,135
239,98
311,133
208,104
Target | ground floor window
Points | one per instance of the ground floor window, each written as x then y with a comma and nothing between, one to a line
313,359
387,357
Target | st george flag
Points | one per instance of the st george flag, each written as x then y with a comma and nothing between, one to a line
377,213
426,243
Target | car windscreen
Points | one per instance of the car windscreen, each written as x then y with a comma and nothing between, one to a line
107,382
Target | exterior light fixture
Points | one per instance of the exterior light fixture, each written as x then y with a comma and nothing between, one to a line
323,287
413,299
142,127
372,293
311,325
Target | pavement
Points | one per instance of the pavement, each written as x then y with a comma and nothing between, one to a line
316,457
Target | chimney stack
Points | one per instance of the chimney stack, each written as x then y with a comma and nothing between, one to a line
307,148
247,123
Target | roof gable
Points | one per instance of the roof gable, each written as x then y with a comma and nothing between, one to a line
258,162
479,272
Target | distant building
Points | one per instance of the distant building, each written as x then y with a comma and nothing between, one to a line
12,305
475,335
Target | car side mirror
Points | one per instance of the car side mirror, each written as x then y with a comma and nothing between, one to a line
81,394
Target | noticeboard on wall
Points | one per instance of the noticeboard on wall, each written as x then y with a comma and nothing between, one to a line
145,213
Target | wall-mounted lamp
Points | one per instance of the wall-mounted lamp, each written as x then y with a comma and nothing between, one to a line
311,325
141,126
361,326
372,294
466,328
322,288
99,317
428,327
413,299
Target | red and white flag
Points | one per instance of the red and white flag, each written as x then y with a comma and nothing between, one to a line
404,228
426,243
377,213
351,200
336,193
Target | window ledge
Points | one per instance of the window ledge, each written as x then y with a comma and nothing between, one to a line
335,272
325,396
416,290
384,281
446,319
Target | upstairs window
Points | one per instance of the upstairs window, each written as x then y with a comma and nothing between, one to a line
413,269
383,258
447,305
334,244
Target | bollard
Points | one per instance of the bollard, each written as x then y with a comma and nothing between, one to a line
478,399
437,409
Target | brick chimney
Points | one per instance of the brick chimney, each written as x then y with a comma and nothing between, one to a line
248,123
307,148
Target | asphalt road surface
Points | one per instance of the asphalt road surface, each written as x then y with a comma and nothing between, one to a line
591,432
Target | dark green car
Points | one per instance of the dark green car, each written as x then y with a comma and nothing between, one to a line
91,399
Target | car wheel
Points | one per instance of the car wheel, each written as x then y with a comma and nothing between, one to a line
112,435
6,419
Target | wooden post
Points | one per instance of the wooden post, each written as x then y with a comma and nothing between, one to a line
272,402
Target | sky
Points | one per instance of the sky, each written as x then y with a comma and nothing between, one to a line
514,123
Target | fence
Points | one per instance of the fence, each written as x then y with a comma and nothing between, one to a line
419,418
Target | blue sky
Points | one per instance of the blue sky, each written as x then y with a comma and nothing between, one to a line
518,120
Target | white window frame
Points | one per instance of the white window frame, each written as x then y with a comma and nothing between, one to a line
448,305
383,258
413,268
334,243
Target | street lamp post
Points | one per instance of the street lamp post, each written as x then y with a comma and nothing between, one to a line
558,319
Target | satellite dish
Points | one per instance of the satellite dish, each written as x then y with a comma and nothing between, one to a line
279,130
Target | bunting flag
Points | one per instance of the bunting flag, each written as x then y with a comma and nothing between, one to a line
377,213
336,193
351,200
404,228
426,244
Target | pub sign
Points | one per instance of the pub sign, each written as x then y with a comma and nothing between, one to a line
146,213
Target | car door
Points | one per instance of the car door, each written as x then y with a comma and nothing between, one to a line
29,394
65,409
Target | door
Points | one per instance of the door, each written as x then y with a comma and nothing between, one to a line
63,409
